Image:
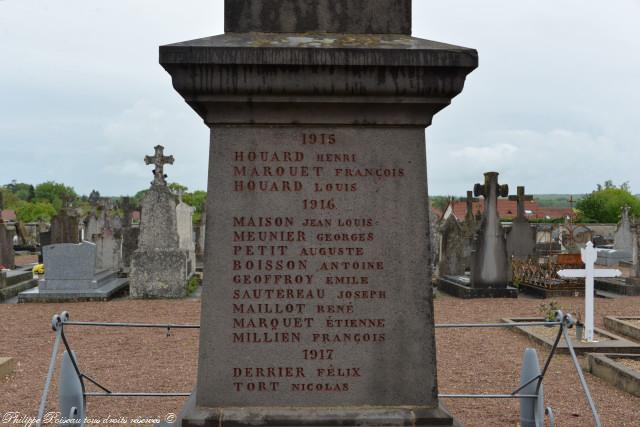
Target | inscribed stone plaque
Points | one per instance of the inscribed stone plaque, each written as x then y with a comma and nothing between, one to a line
320,280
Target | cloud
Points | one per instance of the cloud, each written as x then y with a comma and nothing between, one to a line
497,154
559,160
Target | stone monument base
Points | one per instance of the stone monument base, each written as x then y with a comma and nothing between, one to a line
105,285
12,282
193,415
611,257
159,273
629,286
460,286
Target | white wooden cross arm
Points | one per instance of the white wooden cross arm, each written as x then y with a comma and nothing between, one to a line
589,256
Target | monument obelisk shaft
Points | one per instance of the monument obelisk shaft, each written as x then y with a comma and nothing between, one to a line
316,307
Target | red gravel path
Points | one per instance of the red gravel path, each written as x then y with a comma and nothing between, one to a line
469,361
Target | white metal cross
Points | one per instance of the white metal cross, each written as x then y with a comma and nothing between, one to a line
589,256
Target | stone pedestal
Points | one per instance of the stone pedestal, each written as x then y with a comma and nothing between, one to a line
159,268
317,304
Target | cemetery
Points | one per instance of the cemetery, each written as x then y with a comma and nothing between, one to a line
319,279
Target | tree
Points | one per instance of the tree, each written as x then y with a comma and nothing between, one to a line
9,200
440,202
605,204
196,199
55,193
175,187
22,190
35,211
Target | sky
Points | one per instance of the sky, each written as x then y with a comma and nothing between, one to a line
553,104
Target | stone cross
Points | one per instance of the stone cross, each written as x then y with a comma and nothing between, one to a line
520,197
589,256
158,160
469,201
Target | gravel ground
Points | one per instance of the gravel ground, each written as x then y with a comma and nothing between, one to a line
469,360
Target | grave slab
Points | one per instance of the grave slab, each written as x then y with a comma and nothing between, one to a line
623,286
628,326
460,286
610,367
607,342
71,275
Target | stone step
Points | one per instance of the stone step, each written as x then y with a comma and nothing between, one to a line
104,276
12,277
608,295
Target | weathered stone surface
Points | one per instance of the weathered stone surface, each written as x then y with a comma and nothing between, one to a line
343,116
158,273
92,228
7,257
184,220
158,228
331,16
130,236
357,77
623,240
108,251
159,268
64,228
452,248
521,239
384,215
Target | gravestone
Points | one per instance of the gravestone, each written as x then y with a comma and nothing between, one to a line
634,277
93,228
317,185
64,227
108,250
71,274
184,221
623,236
623,242
159,268
452,248
7,257
469,229
127,211
490,264
521,238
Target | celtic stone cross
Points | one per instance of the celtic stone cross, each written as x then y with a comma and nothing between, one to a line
158,160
